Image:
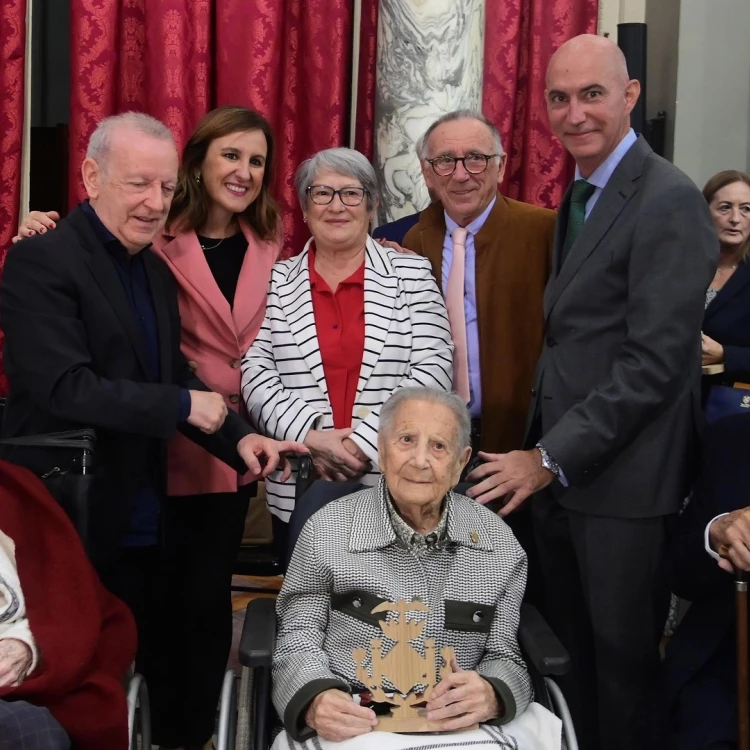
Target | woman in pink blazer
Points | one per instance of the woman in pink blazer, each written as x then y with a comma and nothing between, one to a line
223,237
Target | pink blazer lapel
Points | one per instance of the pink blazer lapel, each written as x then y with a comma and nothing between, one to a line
252,285
187,261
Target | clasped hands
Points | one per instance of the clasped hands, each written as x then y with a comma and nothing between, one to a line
458,701
515,476
730,536
336,457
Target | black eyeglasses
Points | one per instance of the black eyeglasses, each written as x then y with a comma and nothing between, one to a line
323,195
473,163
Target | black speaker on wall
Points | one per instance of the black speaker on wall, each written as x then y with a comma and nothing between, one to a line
631,39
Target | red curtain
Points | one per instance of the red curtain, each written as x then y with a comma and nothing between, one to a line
520,37
176,59
12,46
290,60
364,136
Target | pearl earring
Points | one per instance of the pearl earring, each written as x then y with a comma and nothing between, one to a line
198,179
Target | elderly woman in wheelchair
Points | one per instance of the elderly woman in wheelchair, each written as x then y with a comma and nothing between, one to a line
408,544
65,642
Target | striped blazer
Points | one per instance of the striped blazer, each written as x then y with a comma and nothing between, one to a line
407,342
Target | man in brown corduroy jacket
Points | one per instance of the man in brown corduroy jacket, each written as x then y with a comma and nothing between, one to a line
508,262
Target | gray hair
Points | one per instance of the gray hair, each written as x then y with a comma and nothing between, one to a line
432,396
100,142
459,114
343,161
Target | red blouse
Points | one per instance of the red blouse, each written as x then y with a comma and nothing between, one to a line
340,323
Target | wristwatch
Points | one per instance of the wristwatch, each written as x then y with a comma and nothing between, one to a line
548,462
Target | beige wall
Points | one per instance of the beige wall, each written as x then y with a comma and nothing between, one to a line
698,73
712,118
663,23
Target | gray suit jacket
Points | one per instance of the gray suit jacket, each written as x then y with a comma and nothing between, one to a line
348,559
618,382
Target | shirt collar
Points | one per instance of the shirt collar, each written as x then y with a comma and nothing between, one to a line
356,279
419,543
475,225
105,236
372,527
600,176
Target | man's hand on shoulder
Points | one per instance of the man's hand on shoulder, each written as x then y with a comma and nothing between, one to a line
515,475
729,535
393,245
207,411
264,455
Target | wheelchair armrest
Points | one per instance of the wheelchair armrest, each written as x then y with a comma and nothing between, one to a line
540,644
84,439
305,476
258,633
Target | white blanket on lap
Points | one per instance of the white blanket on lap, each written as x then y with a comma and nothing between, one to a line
535,729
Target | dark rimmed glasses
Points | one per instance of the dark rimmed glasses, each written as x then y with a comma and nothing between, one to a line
324,194
473,163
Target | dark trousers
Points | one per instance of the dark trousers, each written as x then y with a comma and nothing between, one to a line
605,596
705,716
180,596
27,727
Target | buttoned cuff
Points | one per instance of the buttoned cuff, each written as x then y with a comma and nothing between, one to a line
505,699
707,539
294,714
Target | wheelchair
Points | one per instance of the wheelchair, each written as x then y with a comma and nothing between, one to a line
247,718
84,441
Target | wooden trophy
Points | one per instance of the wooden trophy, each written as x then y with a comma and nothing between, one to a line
404,668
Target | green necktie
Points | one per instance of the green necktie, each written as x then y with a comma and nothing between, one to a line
580,194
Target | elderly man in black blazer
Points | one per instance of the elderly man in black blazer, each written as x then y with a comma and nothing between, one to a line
616,393
697,694
92,339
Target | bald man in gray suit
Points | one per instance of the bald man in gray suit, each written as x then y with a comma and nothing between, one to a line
616,393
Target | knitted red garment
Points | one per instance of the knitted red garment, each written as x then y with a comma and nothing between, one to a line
86,637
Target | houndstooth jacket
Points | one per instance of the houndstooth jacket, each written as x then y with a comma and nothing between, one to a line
348,559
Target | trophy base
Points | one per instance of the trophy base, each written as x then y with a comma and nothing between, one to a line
412,725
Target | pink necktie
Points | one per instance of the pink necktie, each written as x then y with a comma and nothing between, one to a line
454,302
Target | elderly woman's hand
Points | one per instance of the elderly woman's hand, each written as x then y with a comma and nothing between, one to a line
15,660
332,459
336,717
462,699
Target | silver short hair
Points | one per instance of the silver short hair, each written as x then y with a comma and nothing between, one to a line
343,161
459,114
432,396
100,141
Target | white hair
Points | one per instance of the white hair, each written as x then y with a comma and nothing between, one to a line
101,139
341,161
459,114
432,396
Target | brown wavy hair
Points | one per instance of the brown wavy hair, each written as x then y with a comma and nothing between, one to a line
190,204
721,180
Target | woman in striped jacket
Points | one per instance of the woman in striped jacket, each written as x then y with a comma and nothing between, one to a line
347,322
